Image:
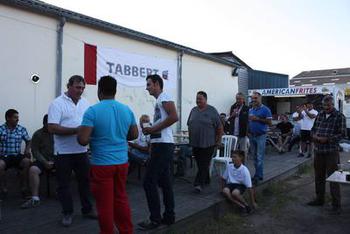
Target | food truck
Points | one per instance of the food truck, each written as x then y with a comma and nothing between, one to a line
285,100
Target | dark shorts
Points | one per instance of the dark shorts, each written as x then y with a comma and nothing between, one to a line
41,166
240,187
305,136
12,161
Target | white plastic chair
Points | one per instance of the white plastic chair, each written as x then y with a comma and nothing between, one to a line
230,143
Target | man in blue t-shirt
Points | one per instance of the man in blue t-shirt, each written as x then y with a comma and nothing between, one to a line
259,118
108,126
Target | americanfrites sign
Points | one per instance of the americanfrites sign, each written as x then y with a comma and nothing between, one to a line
292,91
127,68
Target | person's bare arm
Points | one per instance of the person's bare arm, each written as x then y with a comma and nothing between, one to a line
262,120
27,148
267,121
252,198
133,133
218,135
311,116
298,117
60,130
84,134
172,118
223,183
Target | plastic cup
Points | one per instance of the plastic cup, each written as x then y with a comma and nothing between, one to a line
146,125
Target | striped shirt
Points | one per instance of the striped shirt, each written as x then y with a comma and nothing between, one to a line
333,127
11,139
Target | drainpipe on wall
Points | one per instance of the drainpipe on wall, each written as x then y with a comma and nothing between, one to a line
59,55
179,88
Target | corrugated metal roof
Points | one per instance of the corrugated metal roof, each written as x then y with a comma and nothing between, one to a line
320,81
322,77
229,55
50,10
325,73
266,80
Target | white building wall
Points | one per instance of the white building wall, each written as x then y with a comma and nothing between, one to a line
203,75
73,63
27,46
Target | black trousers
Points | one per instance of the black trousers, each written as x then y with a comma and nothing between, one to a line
203,157
158,173
325,164
65,164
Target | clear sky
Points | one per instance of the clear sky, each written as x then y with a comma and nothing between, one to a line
285,36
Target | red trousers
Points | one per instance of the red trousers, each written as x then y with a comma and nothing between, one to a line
108,185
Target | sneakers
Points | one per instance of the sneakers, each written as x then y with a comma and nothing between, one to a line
148,225
67,220
90,215
300,155
198,189
31,203
316,202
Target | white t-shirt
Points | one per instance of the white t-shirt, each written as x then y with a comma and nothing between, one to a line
166,135
239,175
295,115
297,124
307,122
65,112
142,140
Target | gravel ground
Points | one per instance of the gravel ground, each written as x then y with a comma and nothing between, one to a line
283,209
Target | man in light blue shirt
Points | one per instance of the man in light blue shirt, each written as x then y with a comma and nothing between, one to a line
259,118
108,126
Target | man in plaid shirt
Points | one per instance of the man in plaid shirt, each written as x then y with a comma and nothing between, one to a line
11,136
329,128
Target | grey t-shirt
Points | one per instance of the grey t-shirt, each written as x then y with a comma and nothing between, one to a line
202,126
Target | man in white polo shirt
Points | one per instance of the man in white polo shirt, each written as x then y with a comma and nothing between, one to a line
64,117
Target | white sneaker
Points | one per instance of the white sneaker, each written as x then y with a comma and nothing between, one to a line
67,220
198,189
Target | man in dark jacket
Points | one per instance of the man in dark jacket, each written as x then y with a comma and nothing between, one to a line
238,119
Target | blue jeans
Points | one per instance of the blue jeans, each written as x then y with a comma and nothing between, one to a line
257,145
158,173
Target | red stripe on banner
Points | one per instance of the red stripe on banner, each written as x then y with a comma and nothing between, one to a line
90,64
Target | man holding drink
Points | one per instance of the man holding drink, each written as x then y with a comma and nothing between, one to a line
259,118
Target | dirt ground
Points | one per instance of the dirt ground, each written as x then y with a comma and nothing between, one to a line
283,209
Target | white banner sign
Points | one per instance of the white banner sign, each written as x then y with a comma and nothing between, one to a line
131,69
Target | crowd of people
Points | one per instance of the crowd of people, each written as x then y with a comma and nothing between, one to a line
117,142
